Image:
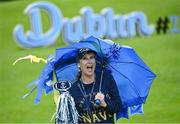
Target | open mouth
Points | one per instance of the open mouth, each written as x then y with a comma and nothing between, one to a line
89,67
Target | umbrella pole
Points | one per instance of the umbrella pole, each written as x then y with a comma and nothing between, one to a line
100,85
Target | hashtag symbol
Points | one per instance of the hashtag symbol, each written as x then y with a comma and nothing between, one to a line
162,25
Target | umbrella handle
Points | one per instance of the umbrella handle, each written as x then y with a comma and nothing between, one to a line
97,102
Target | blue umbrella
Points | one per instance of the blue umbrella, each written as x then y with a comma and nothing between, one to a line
133,77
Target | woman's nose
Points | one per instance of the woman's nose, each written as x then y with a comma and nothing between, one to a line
89,60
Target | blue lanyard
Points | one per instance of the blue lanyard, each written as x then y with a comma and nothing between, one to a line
83,91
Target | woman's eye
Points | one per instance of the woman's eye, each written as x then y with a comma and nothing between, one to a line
84,58
92,57
88,58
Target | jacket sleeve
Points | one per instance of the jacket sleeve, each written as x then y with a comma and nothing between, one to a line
113,100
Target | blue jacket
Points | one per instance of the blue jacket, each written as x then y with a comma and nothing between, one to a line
85,102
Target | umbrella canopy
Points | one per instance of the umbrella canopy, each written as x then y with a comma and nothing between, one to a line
132,76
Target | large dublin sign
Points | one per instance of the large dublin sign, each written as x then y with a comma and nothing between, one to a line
104,24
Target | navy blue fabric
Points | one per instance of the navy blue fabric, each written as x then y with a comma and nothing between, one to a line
86,107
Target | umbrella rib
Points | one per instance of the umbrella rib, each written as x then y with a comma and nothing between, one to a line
137,91
100,48
135,64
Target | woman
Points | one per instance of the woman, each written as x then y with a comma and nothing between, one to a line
86,93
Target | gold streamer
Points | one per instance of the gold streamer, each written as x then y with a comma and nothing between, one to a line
32,59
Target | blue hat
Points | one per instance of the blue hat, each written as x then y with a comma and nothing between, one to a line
83,51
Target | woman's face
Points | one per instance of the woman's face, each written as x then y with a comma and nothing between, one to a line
87,64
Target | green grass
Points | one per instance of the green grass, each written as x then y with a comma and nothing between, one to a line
159,52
